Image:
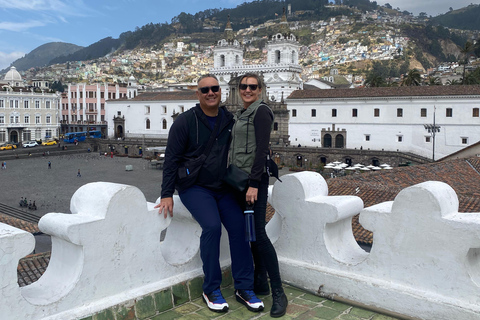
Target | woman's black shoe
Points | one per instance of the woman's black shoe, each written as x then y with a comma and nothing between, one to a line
280,303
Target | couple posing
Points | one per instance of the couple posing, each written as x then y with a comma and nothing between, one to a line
210,131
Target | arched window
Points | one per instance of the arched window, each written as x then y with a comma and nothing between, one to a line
299,160
327,141
277,56
147,124
164,124
275,126
237,59
339,141
222,60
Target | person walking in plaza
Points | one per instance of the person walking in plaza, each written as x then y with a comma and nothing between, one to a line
78,174
49,165
248,151
203,132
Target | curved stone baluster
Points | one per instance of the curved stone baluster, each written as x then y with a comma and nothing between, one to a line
14,244
425,253
316,228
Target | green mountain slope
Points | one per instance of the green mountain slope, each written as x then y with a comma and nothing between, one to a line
42,55
467,18
98,49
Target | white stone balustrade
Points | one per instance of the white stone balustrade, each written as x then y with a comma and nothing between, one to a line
425,258
425,261
106,252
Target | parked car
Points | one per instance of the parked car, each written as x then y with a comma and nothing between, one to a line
30,144
49,143
8,146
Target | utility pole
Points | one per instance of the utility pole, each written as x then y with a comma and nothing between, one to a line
432,129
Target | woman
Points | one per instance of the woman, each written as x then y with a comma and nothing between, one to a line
248,151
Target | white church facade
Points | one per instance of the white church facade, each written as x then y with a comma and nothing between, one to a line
387,119
281,72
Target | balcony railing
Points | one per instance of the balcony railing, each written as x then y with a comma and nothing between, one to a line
83,122
424,262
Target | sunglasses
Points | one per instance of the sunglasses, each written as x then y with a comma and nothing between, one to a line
252,87
206,90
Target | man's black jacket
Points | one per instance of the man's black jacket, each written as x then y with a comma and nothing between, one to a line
187,139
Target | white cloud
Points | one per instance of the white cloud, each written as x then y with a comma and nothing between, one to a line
52,7
7,58
21,26
33,5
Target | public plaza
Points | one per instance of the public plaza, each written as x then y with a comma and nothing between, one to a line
52,189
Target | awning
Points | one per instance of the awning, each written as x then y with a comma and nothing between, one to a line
157,149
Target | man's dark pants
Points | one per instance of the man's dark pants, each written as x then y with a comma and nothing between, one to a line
211,209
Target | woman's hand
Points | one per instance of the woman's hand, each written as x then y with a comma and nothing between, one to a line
251,196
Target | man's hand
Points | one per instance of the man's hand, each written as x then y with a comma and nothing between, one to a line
165,205
251,196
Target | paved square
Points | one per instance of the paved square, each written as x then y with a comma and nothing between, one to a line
52,189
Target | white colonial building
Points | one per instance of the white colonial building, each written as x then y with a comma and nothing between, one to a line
281,72
148,114
387,118
26,114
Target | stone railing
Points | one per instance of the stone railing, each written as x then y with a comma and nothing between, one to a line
424,262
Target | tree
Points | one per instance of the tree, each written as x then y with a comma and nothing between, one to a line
453,82
388,6
374,80
470,79
412,78
466,50
434,81
57,86
366,42
476,50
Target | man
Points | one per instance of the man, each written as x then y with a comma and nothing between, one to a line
209,202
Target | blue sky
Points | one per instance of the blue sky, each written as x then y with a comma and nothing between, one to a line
27,24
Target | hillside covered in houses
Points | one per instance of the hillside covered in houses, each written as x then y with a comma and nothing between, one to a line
358,38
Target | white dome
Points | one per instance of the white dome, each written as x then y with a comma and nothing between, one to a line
132,78
13,75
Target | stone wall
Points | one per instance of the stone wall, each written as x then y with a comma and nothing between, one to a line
291,156
287,155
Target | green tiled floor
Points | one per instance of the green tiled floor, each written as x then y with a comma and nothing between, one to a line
302,305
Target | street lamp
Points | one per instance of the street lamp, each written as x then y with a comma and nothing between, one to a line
432,129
